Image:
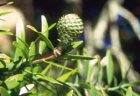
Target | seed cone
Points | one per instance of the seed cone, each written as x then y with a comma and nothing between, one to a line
69,27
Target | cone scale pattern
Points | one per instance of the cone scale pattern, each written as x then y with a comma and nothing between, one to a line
69,27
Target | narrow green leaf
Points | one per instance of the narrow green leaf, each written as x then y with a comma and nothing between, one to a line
32,28
70,93
70,56
57,65
6,3
5,13
65,76
129,91
3,92
76,44
5,31
49,79
9,3
44,26
13,81
46,70
20,39
47,41
42,47
100,73
20,51
73,46
52,26
44,30
32,51
110,67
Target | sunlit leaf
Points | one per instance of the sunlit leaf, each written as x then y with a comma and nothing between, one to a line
32,28
129,92
110,67
13,81
4,60
44,26
5,31
70,93
20,39
5,13
65,76
44,30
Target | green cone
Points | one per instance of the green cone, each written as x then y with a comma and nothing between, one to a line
69,27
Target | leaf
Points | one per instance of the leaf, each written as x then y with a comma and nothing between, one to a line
13,81
73,46
32,51
49,79
22,50
6,3
9,3
32,28
44,26
52,26
3,92
44,30
57,65
70,93
70,56
129,91
84,85
110,67
2,65
4,60
131,84
47,41
5,31
65,76
20,39
47,68
5,13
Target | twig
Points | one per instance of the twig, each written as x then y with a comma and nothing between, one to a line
57,52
